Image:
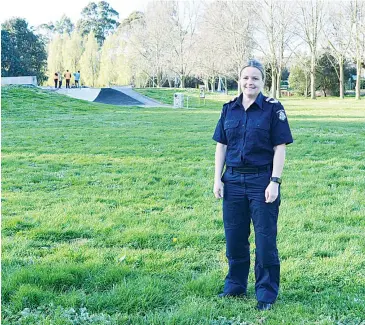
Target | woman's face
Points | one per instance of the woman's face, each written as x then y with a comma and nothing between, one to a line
251,81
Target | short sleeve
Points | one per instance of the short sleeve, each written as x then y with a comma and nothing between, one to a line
280,130
219,134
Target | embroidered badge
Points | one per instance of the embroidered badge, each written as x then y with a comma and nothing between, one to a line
281,115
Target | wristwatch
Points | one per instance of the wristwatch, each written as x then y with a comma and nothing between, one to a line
275,180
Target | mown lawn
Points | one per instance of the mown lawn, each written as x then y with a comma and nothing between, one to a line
108,215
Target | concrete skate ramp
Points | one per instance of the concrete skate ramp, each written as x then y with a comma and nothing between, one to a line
88,94
115,97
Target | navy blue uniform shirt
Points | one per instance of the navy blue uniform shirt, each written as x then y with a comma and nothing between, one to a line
251,135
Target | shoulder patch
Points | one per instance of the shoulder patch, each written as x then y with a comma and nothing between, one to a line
281,115
271,100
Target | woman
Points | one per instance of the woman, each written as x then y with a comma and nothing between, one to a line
55,79
251,136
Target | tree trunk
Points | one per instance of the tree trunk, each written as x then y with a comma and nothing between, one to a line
273,83
182,85
342,88
278,84
219,88
306,85
238,82
159,79
226,86
358,77
212,83
170,83
206,84
313,77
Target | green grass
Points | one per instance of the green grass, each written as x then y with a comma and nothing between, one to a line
191,97
94,195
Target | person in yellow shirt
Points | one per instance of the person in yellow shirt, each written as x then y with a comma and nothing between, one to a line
68,78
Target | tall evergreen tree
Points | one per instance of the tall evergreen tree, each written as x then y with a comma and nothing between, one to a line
99,18
64,25
23,52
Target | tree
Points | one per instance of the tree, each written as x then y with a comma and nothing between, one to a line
46,31
357,8
338,34
300,75
151,41
184,18
297,80
276,20
208,68
64,25
132,18
55,59
326,75
132,34
108,61
310,25
89,62
99,18
23,52
64,53
73,49
230,22
9,57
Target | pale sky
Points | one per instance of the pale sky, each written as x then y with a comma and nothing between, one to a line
38,12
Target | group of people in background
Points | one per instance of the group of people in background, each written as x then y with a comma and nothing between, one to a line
67,75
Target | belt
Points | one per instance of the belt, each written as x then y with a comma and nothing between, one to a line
250,170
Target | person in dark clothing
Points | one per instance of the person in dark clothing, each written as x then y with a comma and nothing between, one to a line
251,135
77,79
55,79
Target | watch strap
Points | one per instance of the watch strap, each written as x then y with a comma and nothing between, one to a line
275,180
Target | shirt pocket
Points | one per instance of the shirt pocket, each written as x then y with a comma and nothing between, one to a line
259,136
233,130
261,130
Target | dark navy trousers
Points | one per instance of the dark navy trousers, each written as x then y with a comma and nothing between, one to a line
243,201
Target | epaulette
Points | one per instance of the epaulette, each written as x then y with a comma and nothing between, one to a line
271,100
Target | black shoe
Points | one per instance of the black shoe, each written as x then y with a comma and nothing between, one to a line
235,295
263,306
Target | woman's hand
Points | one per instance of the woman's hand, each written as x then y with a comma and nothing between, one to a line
218,189
271,192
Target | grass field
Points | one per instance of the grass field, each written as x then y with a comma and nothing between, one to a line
108,215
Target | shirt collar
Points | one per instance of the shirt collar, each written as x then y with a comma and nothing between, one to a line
258,101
